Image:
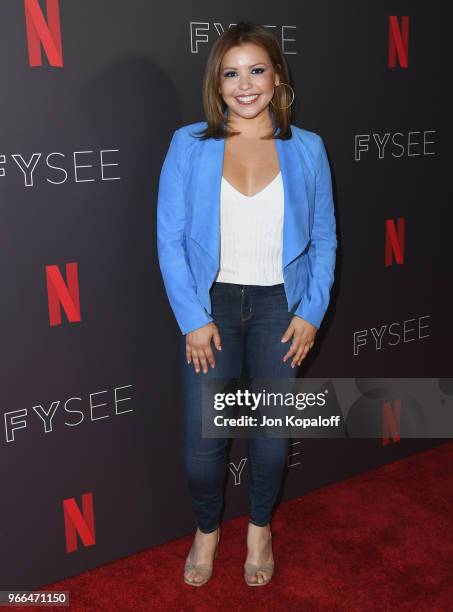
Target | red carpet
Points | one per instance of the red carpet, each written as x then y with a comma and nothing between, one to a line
378,541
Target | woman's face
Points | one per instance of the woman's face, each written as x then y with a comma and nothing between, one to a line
247,80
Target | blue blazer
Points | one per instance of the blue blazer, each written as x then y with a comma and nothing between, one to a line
188,224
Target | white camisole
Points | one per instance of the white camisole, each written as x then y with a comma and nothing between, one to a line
251,235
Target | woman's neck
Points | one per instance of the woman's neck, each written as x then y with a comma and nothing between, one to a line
253,128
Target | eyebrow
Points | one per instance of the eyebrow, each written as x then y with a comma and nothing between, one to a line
251,66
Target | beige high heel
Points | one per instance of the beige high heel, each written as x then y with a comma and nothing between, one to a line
203,569
267,569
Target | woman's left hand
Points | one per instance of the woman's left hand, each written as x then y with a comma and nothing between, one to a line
304,334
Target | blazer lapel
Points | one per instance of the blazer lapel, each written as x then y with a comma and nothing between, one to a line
205,188
206,184
295,219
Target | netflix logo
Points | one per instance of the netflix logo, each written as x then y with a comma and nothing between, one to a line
63,295
79,521
43,34
398,49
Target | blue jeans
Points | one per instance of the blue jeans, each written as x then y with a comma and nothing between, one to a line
251,320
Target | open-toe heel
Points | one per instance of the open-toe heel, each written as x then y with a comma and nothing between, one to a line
202,569
266,569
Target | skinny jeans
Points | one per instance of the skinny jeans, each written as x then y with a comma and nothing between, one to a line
251,320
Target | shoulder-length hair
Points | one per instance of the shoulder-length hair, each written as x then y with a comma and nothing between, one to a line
213,104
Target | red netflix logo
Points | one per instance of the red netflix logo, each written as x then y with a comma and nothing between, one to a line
394,241
40,32
61,294
76,522
391,422
398,41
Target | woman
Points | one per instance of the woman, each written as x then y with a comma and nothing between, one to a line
246,245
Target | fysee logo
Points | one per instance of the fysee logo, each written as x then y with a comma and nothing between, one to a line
40,32
200,32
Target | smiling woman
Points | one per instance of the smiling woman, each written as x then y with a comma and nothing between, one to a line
246,241
247,85
246,67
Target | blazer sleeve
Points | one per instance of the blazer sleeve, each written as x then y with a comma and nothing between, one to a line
322,250
179,284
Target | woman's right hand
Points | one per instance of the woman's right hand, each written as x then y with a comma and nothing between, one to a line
198,346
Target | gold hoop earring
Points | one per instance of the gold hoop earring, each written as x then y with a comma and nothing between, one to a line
283,107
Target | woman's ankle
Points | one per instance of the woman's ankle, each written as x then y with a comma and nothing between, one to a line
207,533
256,527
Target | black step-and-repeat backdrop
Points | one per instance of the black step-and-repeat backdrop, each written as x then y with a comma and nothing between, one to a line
90,443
